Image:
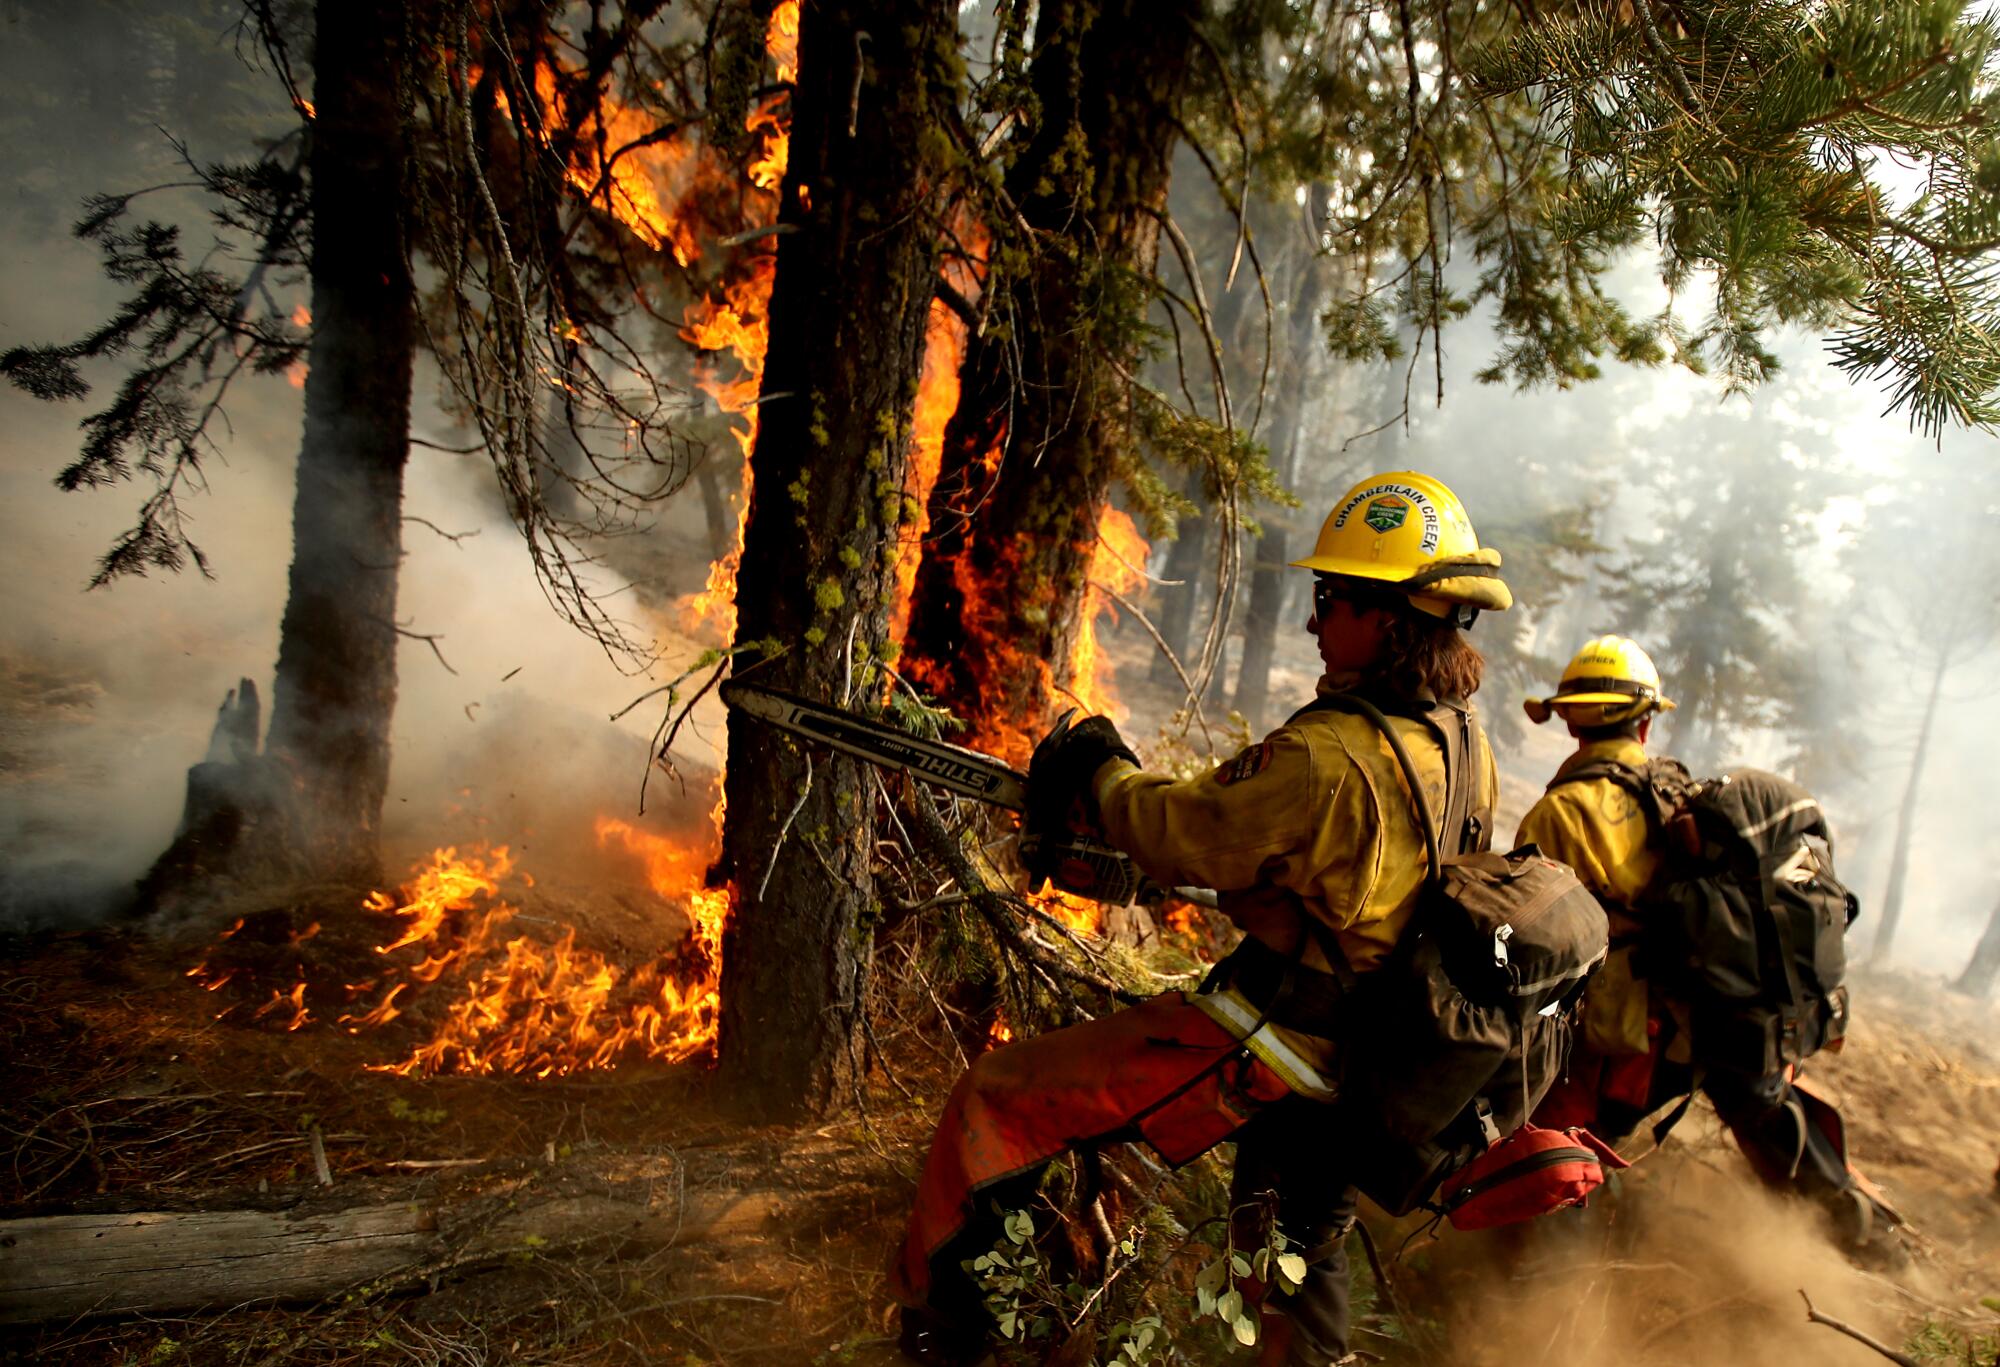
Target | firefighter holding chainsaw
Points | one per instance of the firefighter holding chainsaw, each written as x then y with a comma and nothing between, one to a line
1650,1031
1309,839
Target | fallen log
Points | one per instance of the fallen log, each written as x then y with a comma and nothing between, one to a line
70,1266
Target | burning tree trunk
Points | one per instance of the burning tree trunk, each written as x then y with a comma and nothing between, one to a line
1042,423
848,314
313,802
1984,966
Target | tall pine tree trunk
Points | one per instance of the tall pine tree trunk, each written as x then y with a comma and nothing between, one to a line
848,313
1906,823
1984,966
336,680
1042,422
311,805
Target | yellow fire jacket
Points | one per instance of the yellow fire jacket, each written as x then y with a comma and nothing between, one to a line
1598,829
1316,815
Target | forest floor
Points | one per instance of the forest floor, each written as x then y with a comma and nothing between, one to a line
625,1215
123,1091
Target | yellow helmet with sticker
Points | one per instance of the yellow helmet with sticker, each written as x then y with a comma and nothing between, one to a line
1407,531
1608,682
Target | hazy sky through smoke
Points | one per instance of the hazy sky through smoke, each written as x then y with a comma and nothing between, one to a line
112,693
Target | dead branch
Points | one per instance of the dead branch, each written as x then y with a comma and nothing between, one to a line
431,640
998,911
1813,1316
454,537
1165,650
805,791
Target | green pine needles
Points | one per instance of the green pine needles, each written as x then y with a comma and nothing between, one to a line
1832,165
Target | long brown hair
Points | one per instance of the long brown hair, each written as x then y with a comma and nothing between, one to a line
1425,655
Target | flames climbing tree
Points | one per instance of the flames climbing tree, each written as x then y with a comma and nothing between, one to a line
856,270
1042,425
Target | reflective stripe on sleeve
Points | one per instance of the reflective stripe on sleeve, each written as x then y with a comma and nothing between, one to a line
1236,1015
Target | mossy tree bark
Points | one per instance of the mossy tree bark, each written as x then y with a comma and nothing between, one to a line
1041,392
849,307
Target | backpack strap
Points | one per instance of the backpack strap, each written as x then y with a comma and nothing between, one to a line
1626,776
1467,818
1354,702
1660,786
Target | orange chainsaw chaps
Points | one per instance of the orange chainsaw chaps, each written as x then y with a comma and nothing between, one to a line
1161,1071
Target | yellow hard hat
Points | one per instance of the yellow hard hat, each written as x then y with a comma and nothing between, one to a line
1611,680
1409,532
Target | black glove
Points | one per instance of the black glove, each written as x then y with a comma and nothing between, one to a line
1059,774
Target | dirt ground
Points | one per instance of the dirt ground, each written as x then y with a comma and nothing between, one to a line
125,1092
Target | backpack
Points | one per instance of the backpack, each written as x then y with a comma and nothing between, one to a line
1466,1025
1746,921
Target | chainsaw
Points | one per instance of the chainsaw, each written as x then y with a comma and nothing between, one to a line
1076,861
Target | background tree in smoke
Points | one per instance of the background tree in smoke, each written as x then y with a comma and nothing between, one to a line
1923,570
477,166
1715,586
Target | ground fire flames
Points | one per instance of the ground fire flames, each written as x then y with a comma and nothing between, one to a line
515,1003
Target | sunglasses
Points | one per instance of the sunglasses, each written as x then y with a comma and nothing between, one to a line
1327,592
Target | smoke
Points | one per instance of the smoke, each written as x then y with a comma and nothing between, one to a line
109,695
1685,1259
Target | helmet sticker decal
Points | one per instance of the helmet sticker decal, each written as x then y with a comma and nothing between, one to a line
1386,513
1399,493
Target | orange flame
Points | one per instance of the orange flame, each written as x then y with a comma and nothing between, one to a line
632,185
1117,564
543,1010
937,400
737,321
767,168
296,999
1079,914
781,40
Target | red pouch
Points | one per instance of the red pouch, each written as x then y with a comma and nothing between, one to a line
1531,1172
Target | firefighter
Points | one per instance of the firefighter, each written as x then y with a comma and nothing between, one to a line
1309,839
1636,1050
